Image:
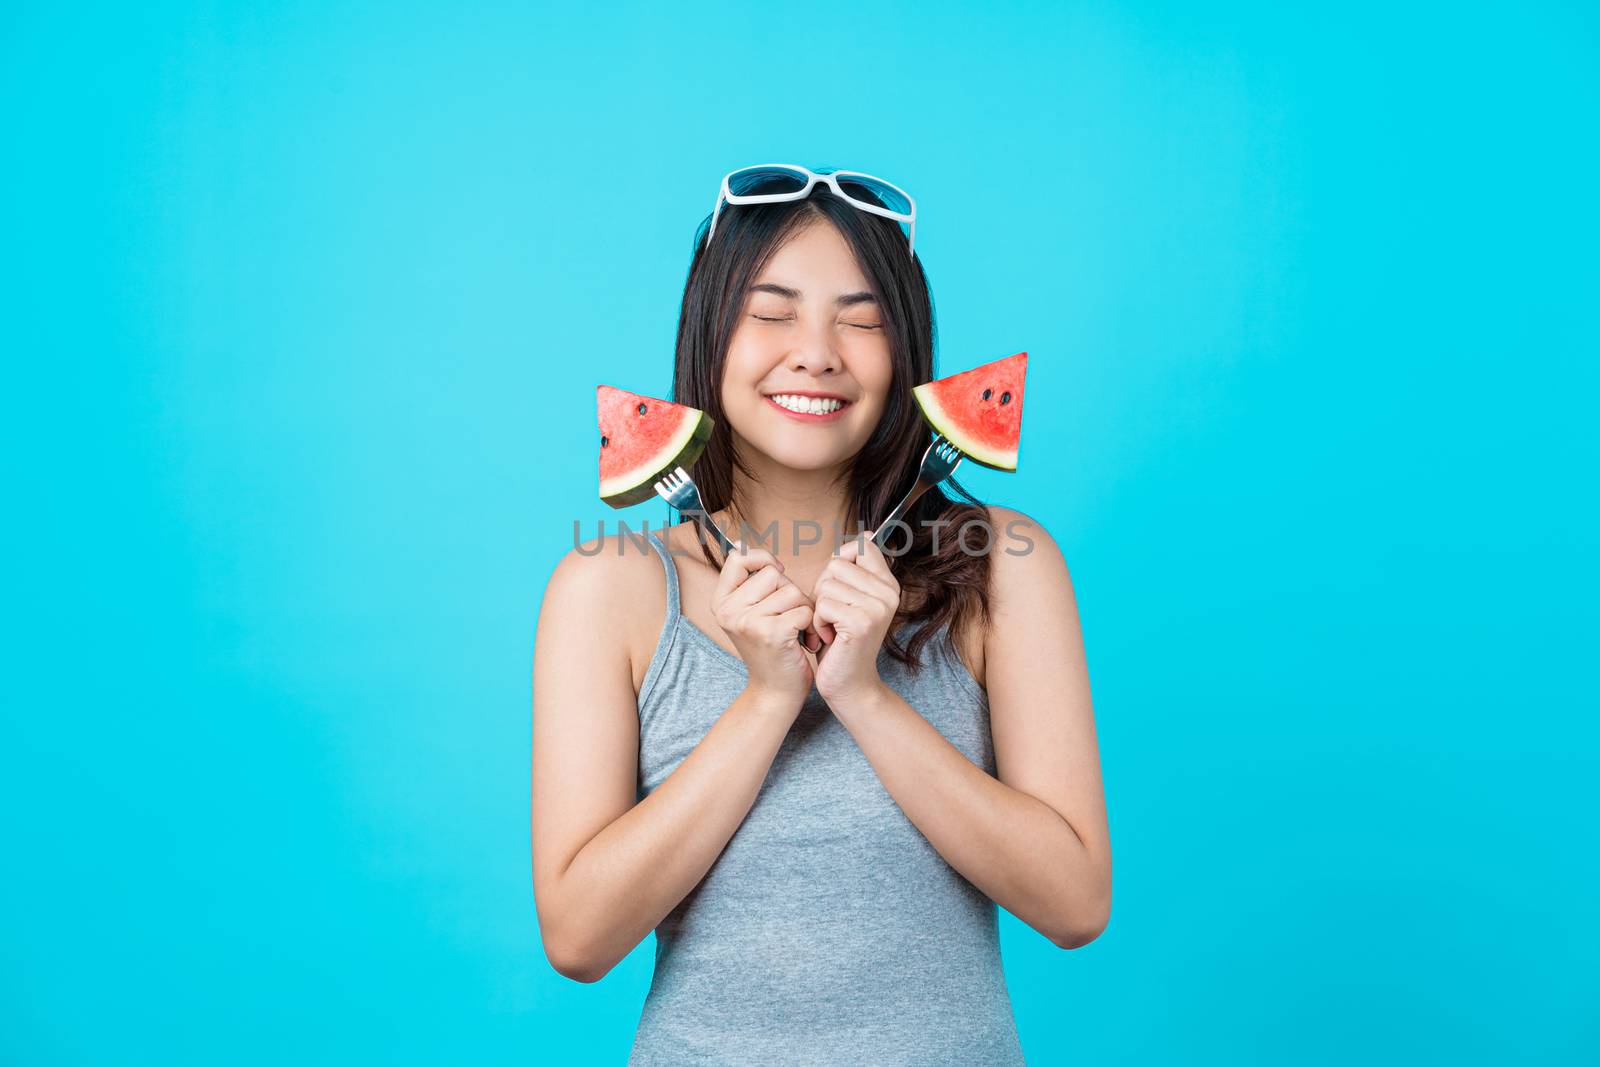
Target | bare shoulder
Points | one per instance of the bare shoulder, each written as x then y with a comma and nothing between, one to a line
1023,550
1021,554
1029,583
609,585
602,571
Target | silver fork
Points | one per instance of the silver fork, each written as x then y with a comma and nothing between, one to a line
938,463
679,490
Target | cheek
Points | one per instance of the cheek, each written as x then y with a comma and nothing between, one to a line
876,374
740,371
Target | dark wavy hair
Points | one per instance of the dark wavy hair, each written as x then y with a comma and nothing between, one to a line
949,588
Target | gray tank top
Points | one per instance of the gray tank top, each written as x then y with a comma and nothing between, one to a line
829,931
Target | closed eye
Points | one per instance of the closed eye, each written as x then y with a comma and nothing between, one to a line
857,325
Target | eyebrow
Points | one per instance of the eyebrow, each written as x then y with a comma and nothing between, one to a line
794,294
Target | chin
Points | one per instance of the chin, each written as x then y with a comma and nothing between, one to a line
801,459
797,454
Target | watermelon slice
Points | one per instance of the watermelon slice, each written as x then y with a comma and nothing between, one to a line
980,410
642,438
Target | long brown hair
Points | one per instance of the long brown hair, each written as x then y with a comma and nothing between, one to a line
947,588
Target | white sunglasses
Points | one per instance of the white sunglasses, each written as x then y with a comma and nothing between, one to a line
794,182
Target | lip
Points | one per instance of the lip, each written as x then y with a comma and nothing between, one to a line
807,416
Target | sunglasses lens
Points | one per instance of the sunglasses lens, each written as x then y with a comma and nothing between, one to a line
757,181
877,193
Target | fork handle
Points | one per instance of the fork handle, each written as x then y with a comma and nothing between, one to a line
882,532
728,549
716,531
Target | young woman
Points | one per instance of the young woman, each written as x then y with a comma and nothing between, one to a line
818,841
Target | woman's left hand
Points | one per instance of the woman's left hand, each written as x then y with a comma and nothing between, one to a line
856,597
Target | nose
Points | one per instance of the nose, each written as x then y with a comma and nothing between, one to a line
814,352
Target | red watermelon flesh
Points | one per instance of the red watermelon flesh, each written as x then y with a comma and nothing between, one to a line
980,410
642,438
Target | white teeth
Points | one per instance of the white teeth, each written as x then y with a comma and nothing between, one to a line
811,405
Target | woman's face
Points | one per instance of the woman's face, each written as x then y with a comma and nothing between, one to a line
808,369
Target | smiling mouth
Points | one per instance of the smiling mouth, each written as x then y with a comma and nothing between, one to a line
808,408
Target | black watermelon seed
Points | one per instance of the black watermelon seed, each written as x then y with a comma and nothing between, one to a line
641,409
1005,398
986,393
604,440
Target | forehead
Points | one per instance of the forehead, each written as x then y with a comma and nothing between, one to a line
816,260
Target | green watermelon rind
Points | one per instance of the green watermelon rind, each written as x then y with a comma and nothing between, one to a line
941,421
638,485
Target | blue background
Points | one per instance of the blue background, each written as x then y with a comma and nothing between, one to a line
304,306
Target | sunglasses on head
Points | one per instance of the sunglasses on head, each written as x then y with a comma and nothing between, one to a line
771,183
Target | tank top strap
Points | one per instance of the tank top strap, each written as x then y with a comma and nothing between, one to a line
674,608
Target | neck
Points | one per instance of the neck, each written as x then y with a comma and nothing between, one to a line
781,504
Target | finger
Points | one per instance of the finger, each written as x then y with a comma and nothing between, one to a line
872,558
837,616
854,576
806,634
843,592
754,589
740,565
787,627
829,587
822,624
846,620
787,595
798,619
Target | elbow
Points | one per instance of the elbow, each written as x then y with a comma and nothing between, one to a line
571,956
569,952
1083,928
580,971
1077,937
575,964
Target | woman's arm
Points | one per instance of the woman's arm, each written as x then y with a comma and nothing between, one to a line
607,867
1035,841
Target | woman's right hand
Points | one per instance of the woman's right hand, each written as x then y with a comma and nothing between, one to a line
763,612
